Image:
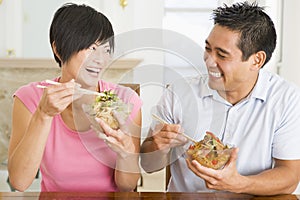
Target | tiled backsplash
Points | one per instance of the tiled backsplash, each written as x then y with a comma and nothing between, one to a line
18,72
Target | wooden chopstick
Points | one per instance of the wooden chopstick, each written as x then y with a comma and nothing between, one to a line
85,91
52,82
41,86
164,122
81,90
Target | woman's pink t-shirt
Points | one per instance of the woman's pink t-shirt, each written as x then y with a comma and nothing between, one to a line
73,161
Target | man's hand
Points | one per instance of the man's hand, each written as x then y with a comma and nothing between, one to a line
227,179
167,136
155,149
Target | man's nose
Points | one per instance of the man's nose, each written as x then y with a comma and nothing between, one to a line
210,61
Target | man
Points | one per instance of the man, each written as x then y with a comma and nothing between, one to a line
254,110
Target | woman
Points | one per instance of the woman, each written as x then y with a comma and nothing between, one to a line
45,133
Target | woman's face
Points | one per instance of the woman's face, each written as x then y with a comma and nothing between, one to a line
87,65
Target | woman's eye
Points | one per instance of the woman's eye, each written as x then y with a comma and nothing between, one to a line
93,48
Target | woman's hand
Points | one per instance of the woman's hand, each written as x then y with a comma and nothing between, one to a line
56,98
119,140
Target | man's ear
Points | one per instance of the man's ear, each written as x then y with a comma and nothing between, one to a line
55,50
259,59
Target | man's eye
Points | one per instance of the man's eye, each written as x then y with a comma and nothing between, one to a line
221,56
207,49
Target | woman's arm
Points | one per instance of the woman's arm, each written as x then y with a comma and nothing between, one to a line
127,172
126,143
30,133
27,143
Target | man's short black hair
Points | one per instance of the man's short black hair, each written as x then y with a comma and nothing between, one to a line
257,31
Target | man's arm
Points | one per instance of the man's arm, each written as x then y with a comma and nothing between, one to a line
153,159
282,179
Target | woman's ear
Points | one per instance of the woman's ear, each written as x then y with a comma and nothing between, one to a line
259,59
55,50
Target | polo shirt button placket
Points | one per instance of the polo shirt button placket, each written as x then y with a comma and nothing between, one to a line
229,124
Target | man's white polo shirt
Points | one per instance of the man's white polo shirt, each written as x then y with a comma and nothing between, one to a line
265,125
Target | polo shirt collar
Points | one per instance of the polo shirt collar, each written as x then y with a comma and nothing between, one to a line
206,91
262,85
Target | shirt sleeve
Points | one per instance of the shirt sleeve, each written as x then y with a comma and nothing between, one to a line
286,144
166,109
30,96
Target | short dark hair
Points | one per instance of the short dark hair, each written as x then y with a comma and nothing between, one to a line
76,27
257,31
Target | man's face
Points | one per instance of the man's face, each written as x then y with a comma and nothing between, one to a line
227,72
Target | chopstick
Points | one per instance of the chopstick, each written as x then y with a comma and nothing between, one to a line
164,122
52,82
81,90
86,91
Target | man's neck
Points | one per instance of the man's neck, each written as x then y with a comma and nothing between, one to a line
241,93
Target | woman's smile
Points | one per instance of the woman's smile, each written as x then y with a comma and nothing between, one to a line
94,71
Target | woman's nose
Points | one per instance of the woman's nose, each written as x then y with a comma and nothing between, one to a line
98,62
97,57
99,52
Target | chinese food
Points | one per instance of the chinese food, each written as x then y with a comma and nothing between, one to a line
210,152
104,105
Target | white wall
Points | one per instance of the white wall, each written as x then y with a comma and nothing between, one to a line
36,17
274,10
291,41
2,27
11,27
26,23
